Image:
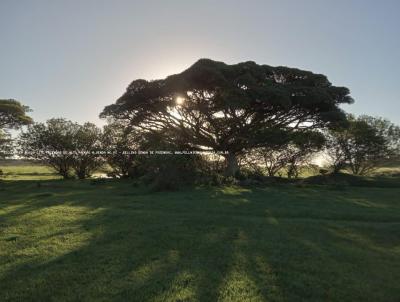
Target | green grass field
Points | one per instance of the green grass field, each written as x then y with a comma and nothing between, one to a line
110,241
25,170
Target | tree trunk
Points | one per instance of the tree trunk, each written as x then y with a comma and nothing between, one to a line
337,168
232,166
81,174
65,174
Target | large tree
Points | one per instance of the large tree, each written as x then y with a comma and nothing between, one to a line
87,142
231,108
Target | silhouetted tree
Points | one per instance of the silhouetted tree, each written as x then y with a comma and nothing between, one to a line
231,107
52,143
301,150
167,171
86,143
365,144
118,142
291,154
335,149
64,145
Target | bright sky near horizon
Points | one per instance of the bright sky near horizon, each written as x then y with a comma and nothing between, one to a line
72,58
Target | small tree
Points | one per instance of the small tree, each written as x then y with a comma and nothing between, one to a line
64,146
365,144
335,149
301,151
269,159
86,141
51,142
292,153
118,143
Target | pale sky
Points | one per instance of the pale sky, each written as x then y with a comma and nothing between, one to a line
72,58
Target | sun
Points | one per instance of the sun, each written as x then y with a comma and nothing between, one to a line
179,100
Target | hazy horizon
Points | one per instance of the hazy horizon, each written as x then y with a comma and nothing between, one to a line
71,58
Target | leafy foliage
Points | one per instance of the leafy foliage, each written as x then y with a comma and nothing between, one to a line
5,144
63,145
87,140
168,171
52,143
117,141
291,154
13,114
231,107
365,144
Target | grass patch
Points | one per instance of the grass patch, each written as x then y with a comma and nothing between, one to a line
14,170
342,180
71,241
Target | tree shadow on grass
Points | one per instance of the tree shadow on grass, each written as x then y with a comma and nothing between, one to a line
138,250
187,246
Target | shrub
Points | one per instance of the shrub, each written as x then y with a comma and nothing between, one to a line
170,172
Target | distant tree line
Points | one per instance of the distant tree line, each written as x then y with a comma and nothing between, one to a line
268,120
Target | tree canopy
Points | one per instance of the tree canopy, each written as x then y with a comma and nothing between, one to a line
13,114
5,144
64,146
365,144
231,107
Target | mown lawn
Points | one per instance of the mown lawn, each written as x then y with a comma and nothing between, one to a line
110,241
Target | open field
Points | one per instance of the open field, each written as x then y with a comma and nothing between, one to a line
199,151
110,241
26,170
